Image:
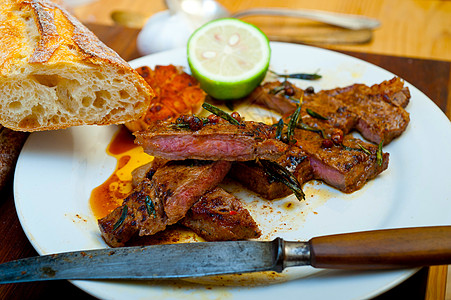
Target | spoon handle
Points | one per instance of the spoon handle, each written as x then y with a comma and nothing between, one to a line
354,22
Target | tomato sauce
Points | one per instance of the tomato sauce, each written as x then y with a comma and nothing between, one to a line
110,194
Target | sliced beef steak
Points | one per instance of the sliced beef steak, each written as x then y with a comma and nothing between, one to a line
124,222
172,189
341,163
162,200
219,216
181,184
380,115
218,141
377,111
345,166
147,170
272,95
253,176
392,91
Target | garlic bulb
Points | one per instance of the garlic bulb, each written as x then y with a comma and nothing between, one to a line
164,31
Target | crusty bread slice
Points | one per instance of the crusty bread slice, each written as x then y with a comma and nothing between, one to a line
55,73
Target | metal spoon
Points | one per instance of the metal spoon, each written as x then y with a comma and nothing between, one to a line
201,11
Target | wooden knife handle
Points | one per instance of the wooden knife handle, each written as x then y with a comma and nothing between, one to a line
382,249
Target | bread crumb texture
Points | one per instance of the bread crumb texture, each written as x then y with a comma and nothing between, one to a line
55,73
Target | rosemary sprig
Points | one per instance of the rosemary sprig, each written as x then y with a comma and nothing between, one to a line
315,114
282,175
350,148
293,123
360,149
229,105
186,125
279,130
122,218
364,149
150,207
313,129
379,157
179,125
305,76
294,99
276,90
220,113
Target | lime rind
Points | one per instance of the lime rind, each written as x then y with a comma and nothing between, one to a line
228,76
229,90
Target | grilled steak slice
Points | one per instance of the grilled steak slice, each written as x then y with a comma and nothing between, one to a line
161,201
253,176
180,185
297,161
391,91
377,112
271,95
345,166
217,141
124,222
219,216
379,119
147,170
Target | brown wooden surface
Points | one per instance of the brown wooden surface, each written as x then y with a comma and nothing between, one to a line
430,76
412,28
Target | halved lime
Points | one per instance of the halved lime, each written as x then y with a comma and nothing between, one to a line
228,57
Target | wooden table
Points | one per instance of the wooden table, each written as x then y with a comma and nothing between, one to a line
430,76
413,28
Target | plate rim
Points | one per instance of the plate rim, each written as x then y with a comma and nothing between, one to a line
381,290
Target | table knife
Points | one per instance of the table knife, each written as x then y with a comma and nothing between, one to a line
379,249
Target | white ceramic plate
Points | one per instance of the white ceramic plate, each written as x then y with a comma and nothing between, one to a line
57,170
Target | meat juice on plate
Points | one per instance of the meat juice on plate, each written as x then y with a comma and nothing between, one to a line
110,194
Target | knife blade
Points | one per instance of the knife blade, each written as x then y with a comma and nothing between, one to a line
379,249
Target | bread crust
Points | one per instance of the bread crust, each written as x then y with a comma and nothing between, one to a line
63,41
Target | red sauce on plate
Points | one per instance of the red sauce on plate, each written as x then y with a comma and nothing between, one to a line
122,142
109,195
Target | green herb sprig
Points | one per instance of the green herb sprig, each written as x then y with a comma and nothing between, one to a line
305,76
360,149
315,114
277,90
294,119
279,173
220,113
364,149
379,156
184,125
279,130
122,218
313,129
150,207
295,100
